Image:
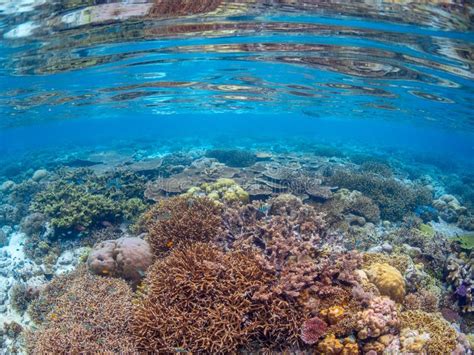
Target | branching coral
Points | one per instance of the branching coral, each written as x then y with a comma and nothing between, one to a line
393,197
442,335
460,274
92,316
181,220
201,299
80,199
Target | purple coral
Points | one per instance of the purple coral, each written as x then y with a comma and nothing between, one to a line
312,330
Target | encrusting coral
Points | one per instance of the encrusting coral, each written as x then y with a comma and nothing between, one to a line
181,220
381,317
201,299
92,316
388,280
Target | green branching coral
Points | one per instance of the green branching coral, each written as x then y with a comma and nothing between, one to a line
73,206
81,199
393,197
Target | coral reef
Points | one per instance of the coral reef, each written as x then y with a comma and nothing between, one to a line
460,274
201,299
181,220
233,157
127,257
312,330
388,280
393,197
223,190
93,315
380,318
442,337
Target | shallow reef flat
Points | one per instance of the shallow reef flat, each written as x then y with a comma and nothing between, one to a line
201,247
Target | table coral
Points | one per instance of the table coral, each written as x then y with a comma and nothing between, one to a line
388,280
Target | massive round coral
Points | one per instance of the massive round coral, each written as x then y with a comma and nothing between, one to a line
181,220
200,299
127,257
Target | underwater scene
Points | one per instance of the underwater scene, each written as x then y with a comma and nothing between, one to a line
236,176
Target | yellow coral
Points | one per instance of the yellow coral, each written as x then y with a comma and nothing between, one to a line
398,261
330,345
413,341
388,280
442,335
333,314
222,190
350,347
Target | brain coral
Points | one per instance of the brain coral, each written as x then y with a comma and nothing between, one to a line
128,258
200,299
92,316
388,280
181,220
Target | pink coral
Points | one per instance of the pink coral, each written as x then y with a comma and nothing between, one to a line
313,329
381,317
128,258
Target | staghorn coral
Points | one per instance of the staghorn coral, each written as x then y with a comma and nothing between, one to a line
92,316
181,220
312,330
200,299
381,317
442,335
388,280
127,257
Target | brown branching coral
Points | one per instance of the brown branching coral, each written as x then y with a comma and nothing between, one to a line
202,299
181,220
443,337
92,316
